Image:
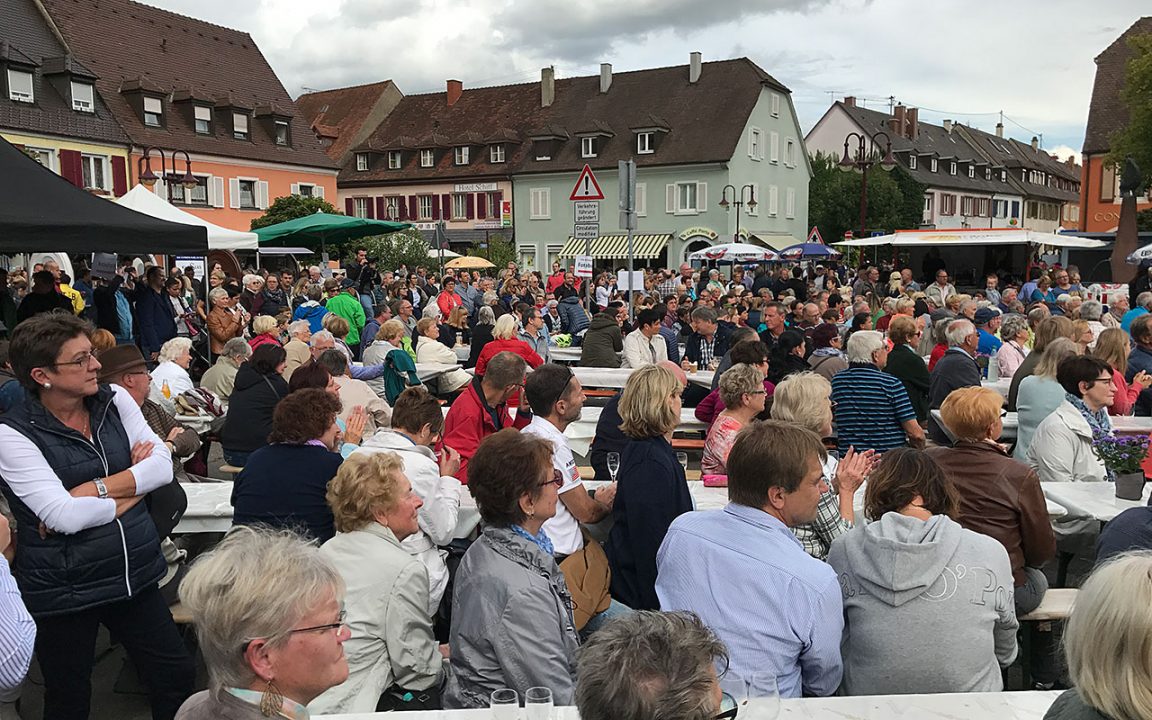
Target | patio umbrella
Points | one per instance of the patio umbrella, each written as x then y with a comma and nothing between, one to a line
735,253
326,228
468,262
809,250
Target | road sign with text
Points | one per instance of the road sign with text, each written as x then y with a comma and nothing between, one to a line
586,231
586,211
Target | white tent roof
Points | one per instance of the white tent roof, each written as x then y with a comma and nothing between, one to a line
944,238
143,200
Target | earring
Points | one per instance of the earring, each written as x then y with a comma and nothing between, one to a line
271,701
47,384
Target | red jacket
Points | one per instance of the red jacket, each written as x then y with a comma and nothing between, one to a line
447,302
515,345
554,281
469,421
264,339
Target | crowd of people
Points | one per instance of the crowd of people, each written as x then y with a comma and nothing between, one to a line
870,499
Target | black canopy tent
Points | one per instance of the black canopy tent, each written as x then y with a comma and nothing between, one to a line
41,211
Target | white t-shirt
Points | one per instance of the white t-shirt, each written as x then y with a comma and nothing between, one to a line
563,528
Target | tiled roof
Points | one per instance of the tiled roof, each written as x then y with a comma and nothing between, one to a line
1016,156
133,45
339,114
704,121
1107,114
26,36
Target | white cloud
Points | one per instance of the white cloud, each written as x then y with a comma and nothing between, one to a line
1031,59
1063,152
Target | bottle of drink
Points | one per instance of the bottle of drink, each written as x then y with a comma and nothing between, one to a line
993,367
166,391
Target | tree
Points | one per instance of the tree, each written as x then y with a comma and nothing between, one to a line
291,207
895,199
499,251
1135,138
406,247
1144,221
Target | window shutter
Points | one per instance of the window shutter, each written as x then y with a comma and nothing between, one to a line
349,207
318,191
381,209
294,189
234,193
71,168
262,195
370,208
670,198
470,206
119,176
413,207
773,200
216,192
702,196
401,209
446,206
480,200
161,188
499,197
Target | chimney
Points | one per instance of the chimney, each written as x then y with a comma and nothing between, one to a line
547,86
999,129
455,90
605,77
913,123
850,100
693,67
947,126
899,114
1035,143
894,125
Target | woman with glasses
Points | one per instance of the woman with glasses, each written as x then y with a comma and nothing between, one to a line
269,619
77,458
1061,449
907,365
392,650
512,622
742,390
652,490
1014,332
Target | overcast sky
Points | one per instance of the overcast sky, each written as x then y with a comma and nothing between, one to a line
958,59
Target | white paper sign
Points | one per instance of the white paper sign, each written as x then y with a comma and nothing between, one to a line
635,281
583,266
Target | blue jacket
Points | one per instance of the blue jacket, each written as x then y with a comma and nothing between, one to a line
155,317
61,573
573,319
313,312
672,340
264,493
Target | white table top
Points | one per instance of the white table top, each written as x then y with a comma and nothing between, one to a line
944,706
427,371
602,377
1129,425
462,352
209,508
1000,386
1090,499
703,378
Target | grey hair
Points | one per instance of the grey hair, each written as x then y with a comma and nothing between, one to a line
1144,300
1038,314
249,279
704,314
174,348
940,329
489,297
298,326
257,583
237,347
802,399
967,304
650,664
217,294
322,335
1091,310
863,344
334,361
737,381
431,310
1012,326
486,316
958,331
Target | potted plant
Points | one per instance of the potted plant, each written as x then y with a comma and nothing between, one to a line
1123,456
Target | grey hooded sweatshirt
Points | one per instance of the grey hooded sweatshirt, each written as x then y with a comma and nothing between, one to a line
928,607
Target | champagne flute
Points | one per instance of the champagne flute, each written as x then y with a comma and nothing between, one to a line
505,704
613,464
538,703
756,695
682,458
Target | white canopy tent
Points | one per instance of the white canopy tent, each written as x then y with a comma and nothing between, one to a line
947,238
143,200
434,254
734,253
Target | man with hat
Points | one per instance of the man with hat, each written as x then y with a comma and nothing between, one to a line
347,305
987,325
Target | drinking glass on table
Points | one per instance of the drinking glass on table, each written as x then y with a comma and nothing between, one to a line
613,464
755,695
505,704
538,703
682,458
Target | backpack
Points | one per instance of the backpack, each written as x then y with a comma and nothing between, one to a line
397,366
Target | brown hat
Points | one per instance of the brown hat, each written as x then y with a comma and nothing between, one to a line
116,361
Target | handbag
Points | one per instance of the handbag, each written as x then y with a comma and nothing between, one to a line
588,576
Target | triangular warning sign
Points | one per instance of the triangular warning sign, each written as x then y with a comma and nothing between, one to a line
814,236
586,187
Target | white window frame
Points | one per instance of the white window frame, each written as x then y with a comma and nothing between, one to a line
971,172
952,167
240,194
425,213
89,163
83,96
527,256
43,154
774,147
361,162
775,105
929,200
240,130
588,147
641,200
392,207
360,206
790,152
676,194
790,203
459,206
756,143
154,107
987,173
395,160
496,153
427,158
644,143
540,207
276,127
27,80
460,154
186,193
492,205
300,187
202,114
912,161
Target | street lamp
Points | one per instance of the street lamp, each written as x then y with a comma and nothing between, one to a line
738,201
863,161
148,178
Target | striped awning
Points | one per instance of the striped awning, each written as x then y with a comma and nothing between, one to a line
613,247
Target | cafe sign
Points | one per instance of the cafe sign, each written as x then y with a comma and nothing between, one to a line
698,232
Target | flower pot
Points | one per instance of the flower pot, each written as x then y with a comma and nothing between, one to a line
1130,486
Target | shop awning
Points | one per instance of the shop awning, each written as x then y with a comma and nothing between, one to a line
946,238
614,247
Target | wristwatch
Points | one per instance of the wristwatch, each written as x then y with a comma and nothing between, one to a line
101,488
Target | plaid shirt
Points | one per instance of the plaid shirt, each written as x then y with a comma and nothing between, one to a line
817,536
671,286
707,348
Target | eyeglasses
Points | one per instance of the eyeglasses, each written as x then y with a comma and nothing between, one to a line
564,390
83,359
557,480
1099,380
330,626
728,707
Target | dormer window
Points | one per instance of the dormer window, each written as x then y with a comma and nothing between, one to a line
153,112
645,144
203,118
1003,176
83,99
912,161
496,153
971,172
461,154
240,126
935,164
281,128
362,161
587,147
20,86
987,173
427,158
394,160
952,168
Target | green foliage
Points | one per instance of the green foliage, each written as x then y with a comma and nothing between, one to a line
500,250
895,200
1136,138
406,247
291,207
1144,221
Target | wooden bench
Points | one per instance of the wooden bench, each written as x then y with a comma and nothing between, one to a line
1056,605
599,393
589,473
687,444
230,469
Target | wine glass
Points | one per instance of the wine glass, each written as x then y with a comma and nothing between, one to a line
505,704
756,695
613,464
538,703
682,458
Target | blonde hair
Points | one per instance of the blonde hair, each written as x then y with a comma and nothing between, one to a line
644,406
365,482
804,399
1108,637
263,323
336,325
173,349
738,381
1112,346
969,412
505,328
257,583
423,324
391,330
1057,351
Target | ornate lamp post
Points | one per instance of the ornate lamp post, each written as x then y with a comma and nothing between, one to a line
738,201
169,175
863,161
